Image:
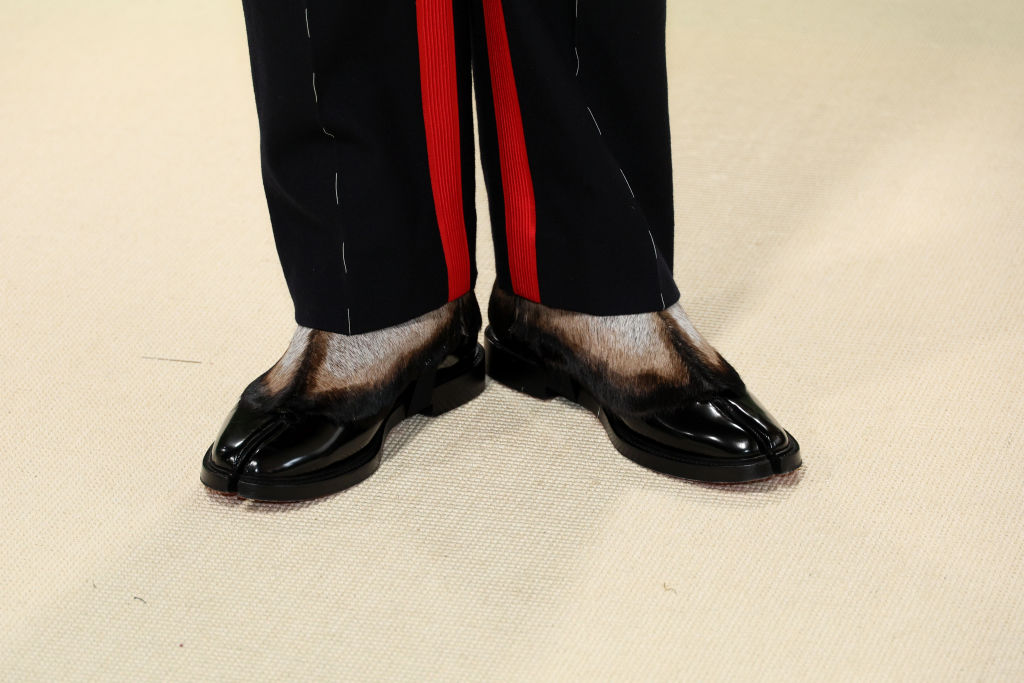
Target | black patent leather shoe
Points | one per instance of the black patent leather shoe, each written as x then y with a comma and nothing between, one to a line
727,437
289,455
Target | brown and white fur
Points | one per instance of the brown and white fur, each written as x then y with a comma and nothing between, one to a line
351,377
634,364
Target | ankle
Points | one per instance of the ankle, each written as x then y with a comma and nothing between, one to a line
637,363
351,377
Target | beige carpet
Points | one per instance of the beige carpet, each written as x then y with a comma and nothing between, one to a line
850,186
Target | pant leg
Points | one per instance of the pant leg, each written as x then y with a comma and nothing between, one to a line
572,98
367,154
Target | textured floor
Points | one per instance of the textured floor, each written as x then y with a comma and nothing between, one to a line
850,193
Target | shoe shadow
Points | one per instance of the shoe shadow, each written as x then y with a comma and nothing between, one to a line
750,494
233,500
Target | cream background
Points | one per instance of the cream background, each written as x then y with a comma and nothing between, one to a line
850,235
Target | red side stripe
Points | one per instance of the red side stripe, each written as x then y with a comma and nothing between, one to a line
435,26
520,206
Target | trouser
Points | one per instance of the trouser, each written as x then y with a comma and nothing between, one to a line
367,152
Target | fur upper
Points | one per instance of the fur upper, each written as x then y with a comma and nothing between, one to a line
352,377
635,364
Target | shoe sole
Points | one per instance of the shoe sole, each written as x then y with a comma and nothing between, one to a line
528,376
452,388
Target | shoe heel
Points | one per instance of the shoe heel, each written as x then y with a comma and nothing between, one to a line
463,387
516,371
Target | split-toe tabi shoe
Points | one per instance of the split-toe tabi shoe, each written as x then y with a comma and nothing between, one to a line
315,423
666,398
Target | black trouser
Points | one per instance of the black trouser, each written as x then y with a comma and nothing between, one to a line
367,152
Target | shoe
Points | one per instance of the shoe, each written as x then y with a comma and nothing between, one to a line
709,429
299,445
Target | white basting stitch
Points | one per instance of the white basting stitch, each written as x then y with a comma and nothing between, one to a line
627,183
655,246
337,192
593,118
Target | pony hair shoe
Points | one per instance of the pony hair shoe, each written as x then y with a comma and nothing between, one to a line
315,422
666,398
